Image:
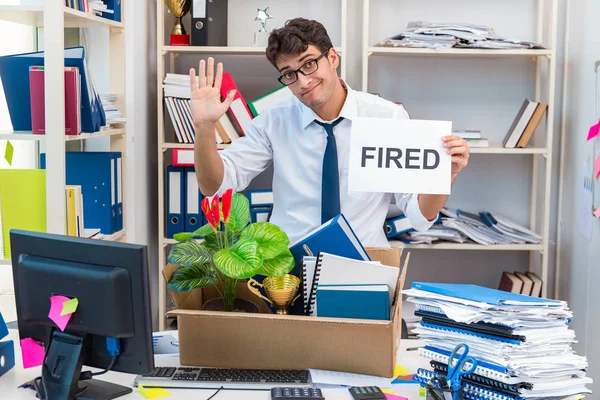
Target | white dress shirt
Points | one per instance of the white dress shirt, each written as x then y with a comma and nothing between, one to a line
288,136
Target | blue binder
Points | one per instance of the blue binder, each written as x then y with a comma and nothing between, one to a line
95,172
114,5
354,301
118,160
260,198
14,72
259,214
193,201
7,349
175,200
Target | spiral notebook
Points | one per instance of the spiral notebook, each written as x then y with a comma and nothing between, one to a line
482,381
471,391
309,263
335,270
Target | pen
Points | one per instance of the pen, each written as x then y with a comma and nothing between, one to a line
412,348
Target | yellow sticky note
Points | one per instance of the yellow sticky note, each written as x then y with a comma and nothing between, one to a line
399,370
388,391
153,393
422,392
69,306
8,152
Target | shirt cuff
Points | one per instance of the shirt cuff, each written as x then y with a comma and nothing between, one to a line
416,217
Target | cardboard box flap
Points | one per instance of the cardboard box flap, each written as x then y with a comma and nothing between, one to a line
386,255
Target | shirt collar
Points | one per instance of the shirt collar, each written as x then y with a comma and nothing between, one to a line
348,111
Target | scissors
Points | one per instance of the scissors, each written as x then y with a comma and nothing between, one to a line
455,369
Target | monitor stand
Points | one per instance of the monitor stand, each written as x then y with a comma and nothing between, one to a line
62,369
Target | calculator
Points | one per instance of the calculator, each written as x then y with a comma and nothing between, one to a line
366,393
293,393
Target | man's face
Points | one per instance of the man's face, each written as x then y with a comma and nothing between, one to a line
313,90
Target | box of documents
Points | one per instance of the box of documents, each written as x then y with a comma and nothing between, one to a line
270,341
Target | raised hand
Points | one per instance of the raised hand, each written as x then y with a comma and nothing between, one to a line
206,103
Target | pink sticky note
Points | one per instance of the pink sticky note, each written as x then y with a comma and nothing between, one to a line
597,213
394,397
597,167
56,307
32,352
593,131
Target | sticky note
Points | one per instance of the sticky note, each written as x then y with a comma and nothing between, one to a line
388,391
394,397
69,307
400,370
32,353
593,132
56,307
8,152
597,213
153,393
597,167
422,391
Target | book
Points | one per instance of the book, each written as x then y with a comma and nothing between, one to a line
536,290
527,283
353,301
532,125
519,123
509,282
257,106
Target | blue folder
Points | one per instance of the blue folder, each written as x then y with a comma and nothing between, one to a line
7,349
14,72
114,5
354,301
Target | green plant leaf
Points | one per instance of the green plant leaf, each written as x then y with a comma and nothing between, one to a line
241,261
239,216
204,231
271,239
214,245
183,236
197,276
189,253
278,265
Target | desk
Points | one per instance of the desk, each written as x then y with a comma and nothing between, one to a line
11,380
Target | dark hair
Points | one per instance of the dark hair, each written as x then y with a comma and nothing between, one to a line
295,37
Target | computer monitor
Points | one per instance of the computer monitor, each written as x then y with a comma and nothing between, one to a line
111,328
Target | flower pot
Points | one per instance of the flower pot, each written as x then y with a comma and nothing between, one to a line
239,305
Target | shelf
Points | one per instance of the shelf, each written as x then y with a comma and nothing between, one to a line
188,146
34,15
28,135
468,246
380,51
498,149
226,50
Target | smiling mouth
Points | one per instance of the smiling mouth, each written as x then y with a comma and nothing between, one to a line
311,89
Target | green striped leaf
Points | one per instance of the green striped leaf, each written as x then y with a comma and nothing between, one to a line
189,253
271,239
215,241
204,231
197,276
239,216
241,261
281,264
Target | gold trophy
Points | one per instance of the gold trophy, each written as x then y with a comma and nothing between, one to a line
280,289
179,8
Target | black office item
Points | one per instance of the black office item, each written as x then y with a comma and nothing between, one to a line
228,378
488,383
209,22
294,393
111,328
366,393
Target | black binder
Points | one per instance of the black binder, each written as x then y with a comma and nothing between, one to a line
209,22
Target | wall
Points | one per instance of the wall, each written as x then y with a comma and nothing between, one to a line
579,266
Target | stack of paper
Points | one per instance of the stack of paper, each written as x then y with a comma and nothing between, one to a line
522,343
443,35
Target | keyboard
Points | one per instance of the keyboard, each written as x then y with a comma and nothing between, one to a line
214,378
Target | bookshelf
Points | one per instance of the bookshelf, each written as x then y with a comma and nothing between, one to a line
166,56
54,17
540,151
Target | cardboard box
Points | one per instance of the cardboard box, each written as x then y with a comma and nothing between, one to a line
270,341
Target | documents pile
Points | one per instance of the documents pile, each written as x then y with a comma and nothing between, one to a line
486,228
522,344
431,35
113,115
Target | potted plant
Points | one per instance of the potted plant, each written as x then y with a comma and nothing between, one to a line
231,250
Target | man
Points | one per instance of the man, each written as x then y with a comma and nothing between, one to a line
307,138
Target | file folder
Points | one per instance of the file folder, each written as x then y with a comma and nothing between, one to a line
175,200
209,22
259,214
193,201
14,72
260,198
95,172
114,5
118,192
7,349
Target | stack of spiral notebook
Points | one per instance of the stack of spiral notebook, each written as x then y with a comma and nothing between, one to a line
523,344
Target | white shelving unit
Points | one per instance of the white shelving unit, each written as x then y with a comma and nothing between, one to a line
54,17
539,221
166,59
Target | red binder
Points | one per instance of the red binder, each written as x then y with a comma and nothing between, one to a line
239,108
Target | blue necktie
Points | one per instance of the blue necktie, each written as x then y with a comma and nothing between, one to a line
330,186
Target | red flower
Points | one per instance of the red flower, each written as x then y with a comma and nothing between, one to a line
226,199
206,210
215,210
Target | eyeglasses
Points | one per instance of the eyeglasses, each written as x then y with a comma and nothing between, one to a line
306,69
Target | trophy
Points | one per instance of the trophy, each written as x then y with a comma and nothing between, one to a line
179,8
261,38
280,289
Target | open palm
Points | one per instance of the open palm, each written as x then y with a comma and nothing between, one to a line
206,103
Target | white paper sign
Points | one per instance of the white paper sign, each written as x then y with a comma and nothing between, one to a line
399,156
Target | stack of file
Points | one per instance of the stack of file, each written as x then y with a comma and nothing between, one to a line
522,343
433,35
113,115
486,228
